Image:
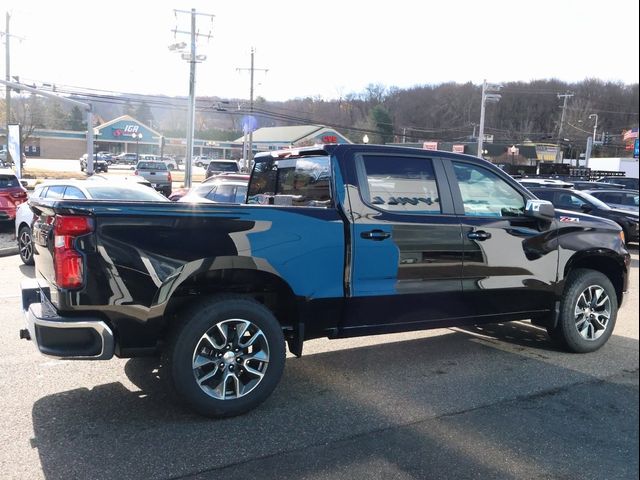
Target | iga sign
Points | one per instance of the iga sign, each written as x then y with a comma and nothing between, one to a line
126,131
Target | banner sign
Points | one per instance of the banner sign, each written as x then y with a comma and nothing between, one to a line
14,147
430,145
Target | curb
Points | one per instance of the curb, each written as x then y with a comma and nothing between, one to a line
6,252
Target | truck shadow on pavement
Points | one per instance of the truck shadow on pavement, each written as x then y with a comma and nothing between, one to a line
457,405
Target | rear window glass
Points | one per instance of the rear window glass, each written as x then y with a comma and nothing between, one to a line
152,166
223,167
301,181
123,193
9,181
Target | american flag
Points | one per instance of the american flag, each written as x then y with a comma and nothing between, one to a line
630,134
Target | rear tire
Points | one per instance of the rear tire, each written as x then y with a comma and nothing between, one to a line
227,357
588,312
25,245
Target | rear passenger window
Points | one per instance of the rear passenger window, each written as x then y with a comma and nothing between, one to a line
400,184
486,194
73,192
55,191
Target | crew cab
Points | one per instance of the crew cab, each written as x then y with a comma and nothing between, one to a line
333,241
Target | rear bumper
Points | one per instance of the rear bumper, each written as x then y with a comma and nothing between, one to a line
86,338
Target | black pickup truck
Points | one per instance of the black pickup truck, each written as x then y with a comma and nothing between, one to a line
337,241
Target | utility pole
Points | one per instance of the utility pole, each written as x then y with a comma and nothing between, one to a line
85,106
249,154
7,59
192,58
487,96
566,97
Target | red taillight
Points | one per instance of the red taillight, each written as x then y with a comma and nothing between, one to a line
169,176
69,264
19,195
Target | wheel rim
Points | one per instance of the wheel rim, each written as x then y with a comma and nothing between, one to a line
25,245
592,312
230,359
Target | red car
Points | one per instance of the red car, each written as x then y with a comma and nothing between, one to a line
12,194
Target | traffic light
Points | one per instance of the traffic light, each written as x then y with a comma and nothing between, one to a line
606,140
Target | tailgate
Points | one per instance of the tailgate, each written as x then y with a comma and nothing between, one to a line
42,237
155,177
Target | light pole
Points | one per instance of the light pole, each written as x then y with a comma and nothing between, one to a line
595,126
487,96
137,137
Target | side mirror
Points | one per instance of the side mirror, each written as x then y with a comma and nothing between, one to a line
541,209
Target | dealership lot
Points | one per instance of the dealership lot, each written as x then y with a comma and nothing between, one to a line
491,402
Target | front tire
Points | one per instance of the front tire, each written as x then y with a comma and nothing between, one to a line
228,357
588,312
25,245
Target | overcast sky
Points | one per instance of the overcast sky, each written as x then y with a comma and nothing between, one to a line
322,49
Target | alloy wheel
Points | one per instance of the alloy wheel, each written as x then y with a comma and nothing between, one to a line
230,359
592,312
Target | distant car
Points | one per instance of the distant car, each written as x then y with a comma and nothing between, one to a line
585,185
216,167
178,193
12,194
99,164
95,189
579,201
544,182
126,158
628,182
617,198
201,161
222,189
157,173
3,154
106,156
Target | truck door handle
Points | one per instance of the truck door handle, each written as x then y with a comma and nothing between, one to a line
375,235
480,235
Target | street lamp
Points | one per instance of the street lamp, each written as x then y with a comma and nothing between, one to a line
365,139
595,126
137,137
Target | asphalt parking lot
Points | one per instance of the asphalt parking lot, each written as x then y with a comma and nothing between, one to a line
492,402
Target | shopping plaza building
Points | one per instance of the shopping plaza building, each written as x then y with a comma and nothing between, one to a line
125,134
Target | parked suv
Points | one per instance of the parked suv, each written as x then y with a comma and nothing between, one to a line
99,163
12,194
216,167
627,182
126,158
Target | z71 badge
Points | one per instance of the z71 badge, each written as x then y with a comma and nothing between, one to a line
569,219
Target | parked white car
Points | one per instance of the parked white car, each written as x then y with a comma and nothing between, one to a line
80,190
